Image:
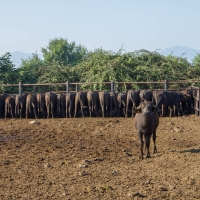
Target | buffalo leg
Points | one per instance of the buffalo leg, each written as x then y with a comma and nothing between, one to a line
90,108
82,110
111,105
147,142
127,106
52,110
22,110
171,111
48,111
12,112
35,112
5,111
70,111
102,109
27,110
133,110
178,109
75,110
66,109
154,142
141,144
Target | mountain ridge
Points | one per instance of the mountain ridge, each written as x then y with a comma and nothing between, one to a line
180,51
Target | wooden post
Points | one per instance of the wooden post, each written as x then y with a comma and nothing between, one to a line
196,101
34,89
112,86
199,101
20,88
67,87
76,88
166,85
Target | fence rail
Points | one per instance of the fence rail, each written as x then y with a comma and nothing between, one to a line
112,84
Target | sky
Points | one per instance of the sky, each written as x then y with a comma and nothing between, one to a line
29,25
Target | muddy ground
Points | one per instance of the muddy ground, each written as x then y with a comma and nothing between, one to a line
98,159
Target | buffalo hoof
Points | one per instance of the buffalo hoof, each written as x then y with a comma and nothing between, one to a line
148,156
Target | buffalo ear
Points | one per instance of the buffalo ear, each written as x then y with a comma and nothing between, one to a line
138,109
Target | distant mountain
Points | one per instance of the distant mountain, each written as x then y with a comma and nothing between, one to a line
16,57
184,52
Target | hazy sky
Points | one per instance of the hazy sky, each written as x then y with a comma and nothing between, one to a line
28,25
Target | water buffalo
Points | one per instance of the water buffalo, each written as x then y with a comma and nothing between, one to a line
41,105
168,99
146,94
133,99
146,122
93,102
20,105
50,102
31,105
2,104
80,99
104,98
70,103
61,105
10,106
188,102
114,102
121,98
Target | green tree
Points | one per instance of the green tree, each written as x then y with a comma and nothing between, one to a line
29,69
7,72
60,51
196,60
6,69
55,74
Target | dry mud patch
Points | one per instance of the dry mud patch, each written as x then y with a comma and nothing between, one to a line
98,159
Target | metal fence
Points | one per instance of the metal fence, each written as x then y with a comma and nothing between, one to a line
196,94
165,85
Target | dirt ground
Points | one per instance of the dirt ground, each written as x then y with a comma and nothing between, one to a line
98,159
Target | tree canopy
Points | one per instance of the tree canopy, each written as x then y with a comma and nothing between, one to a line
66,61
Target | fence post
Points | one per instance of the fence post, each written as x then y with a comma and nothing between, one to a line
166,85
199,101
20,88
34,89
76,88
112,86
67,87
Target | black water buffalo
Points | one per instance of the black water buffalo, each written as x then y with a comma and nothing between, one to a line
2,104
93,102
188,102
31,105
146,94
50,102
133,99
104,98
114,102
80,99
121,98
146,122
70,103
61,105
10,106
168,99
42,110
20,105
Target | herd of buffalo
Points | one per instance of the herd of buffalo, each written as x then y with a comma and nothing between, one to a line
92,103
